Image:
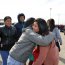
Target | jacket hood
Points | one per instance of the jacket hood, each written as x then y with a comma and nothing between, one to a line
24,29
19,15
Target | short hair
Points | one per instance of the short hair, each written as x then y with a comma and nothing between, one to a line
7,17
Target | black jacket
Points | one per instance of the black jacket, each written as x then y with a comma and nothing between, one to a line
8,37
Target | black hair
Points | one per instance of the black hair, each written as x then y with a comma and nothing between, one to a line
51,24
43,28
19,15
7,17
29,21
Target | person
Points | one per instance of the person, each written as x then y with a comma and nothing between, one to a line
20,25
28,24
56,31
64,29
46,55
19,53
8,38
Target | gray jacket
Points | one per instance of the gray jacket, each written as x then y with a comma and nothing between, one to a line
25,45
56,32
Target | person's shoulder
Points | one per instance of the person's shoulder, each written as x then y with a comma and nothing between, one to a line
52,33
28,30
56,29
13,27
2,28
16,24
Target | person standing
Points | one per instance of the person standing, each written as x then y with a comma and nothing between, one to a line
45,55
8,38
20,25
56,31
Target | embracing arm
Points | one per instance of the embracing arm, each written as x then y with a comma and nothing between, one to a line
39,39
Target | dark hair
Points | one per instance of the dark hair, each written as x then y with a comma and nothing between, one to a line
42,26
29,21
51,24
19,15
7,17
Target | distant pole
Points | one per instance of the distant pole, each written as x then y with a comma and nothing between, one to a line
58,18
50,12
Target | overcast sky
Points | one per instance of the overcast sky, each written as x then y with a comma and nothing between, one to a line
34,8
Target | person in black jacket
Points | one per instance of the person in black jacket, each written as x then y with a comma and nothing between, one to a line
20,25
8,38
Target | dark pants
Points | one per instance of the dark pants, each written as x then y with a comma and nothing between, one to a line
57,44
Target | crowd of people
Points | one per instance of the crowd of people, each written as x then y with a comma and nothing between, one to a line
35,39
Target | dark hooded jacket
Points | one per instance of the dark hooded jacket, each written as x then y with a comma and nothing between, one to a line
19,26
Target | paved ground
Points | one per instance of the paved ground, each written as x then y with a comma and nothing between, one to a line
61,54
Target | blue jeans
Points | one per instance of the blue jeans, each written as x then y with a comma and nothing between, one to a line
4,55
12,61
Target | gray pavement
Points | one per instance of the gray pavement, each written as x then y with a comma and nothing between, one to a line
61,54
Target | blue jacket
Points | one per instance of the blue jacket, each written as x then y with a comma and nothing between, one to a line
19,27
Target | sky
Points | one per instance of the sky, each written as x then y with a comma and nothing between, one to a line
34,8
